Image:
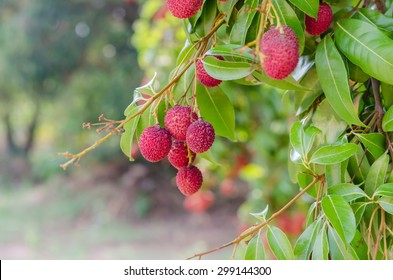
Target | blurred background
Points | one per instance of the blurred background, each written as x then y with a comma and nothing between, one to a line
64,63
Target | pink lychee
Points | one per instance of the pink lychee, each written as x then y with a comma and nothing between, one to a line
204,77
189,180
184,8
200,136
179,155
155,143
321,23
178,119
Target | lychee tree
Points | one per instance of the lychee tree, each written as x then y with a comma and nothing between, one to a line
333,61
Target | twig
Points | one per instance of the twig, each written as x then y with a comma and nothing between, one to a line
252,230
378,103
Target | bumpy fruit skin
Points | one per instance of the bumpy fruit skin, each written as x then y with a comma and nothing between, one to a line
200,136
203,77
275,32
189,180
155,143
178,155
280,53
178,119
321,24
184,8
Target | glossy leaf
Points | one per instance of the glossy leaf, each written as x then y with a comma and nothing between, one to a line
289,83
386,204
374,17
305,243
376,175
320,250
333,154
243,21
226,8
233,51
387,121
334,81
366,46
310,7
340,215
309,136
374,142
288,17
279,244
255,249
347,191
216,108
338,250
127,137
385,190
296,137
358,209
358,165
226,70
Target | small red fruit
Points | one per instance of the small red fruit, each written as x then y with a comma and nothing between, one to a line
275,32
178,119
179,155
199,202
280,53
200,136
204,77
184,8
155,143
321,24
189,180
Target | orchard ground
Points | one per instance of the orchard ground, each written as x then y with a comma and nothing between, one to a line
106,213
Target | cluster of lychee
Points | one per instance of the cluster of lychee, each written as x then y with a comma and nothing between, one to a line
184,136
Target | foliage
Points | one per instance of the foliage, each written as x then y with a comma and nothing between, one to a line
340,144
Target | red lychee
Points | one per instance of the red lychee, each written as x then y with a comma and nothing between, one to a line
321,24
178,119
275,32
200,136
204,77
189,180
199,202
184,8
179,155
280,53
155,143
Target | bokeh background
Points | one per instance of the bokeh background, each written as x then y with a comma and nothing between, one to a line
64,63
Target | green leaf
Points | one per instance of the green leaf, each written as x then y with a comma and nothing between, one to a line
310,214
233,51
289,83
387,94
320,250
184,85
376,175
387,121
358,165
309,137
255,249
381,21
347,191
243,21
374,142
305,243
358,209
279,244
216,108
261,215
334,81
310,7
288,17
226,70
296,137
127,137
333,154
385,190
226,8
386,204
338,250
340,215
366,46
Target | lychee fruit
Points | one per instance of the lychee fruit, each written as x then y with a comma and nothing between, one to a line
189,180
199,202
155,143
178,119
179,155
280,53
204,77
321,23
184,8
275,32
200,136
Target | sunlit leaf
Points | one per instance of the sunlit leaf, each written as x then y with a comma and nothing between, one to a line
333,154
279,244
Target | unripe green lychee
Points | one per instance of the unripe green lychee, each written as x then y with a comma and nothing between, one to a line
200,136
321,24
189,180
280,53
155,143
203,77
178,119
179,155
184,8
